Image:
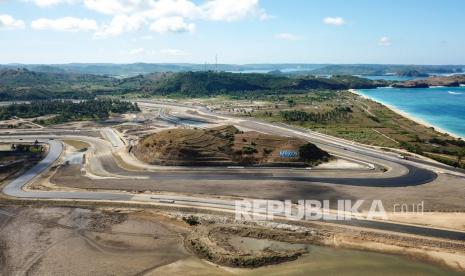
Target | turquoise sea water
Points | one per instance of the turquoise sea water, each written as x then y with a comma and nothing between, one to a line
443,107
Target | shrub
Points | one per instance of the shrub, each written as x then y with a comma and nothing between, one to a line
310,152
249,150
267,151
191,220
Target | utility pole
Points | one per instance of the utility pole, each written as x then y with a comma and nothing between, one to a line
216,62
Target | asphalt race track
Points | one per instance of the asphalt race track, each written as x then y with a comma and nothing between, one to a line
401,173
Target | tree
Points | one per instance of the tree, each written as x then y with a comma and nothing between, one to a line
291,102
191,220
310,152
460,155
67,110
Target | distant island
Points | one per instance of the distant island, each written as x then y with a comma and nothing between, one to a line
449,81
386,69
412,73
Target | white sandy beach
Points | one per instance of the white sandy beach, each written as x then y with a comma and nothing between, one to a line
409,116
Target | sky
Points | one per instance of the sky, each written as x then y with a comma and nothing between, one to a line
237,31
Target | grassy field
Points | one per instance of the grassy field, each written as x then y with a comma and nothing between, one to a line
367,122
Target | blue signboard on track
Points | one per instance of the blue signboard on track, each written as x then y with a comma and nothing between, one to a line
288,154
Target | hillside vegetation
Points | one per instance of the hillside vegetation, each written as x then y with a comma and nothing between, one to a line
66,111
356,118
22,84
195,84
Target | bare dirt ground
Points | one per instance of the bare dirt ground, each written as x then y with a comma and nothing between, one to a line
220,146
452,220
118,241
65,241
77,145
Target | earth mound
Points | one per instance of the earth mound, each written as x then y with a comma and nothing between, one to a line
225,145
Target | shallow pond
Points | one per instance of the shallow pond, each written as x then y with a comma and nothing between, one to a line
335,261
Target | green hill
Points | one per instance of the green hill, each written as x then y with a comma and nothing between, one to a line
217,83
23,84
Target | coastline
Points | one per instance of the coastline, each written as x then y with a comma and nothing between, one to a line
409,116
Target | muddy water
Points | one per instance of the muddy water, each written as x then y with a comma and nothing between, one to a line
331,261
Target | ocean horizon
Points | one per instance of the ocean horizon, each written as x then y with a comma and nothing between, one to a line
440,107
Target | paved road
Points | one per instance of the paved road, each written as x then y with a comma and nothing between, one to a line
105,163
332,144
14,189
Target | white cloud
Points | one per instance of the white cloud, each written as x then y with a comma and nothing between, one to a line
218,10
111,6
335,21
171,15
146,37
137,51
120,24
175,24
146,8
173,52
171,8
44,3
9,22
232,10
48,3
384,41
288,36
164,16
69,24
